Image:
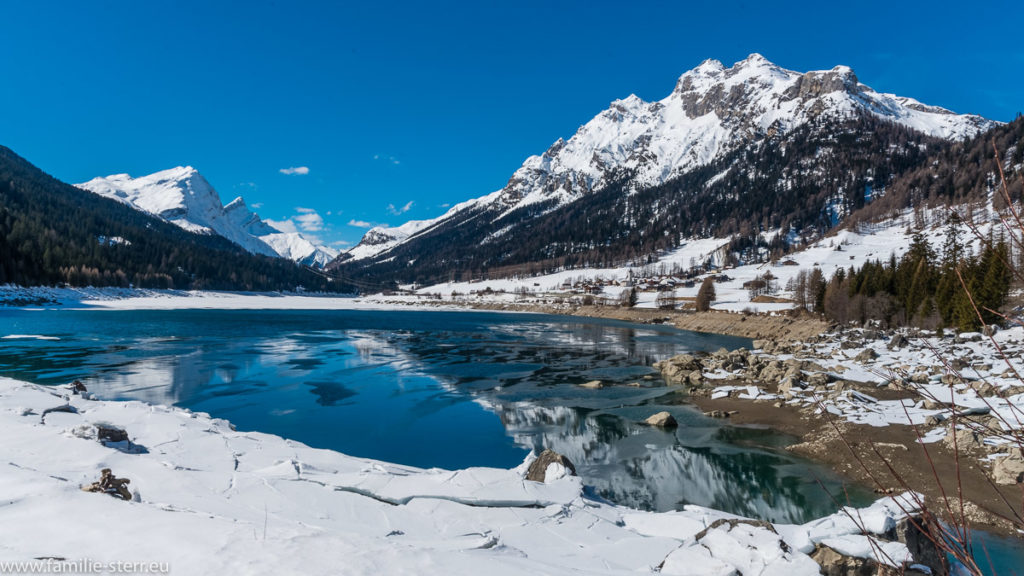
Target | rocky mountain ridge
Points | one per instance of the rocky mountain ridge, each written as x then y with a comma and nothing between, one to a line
183,197
722,135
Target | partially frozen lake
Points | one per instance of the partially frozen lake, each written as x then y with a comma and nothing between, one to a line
432,388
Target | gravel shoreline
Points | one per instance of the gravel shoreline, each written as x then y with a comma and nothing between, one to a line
872,411
781,327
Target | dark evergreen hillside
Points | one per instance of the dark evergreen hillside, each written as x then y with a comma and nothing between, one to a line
805,181
961,173
52,233
925,288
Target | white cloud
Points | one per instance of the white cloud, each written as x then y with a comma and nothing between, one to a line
309,220
360,223
386,158
304,221
341,244
300,170
446,205
402,210
285,225
256,205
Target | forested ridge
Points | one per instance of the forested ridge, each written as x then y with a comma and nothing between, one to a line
952,287
959,174
806,180
53,233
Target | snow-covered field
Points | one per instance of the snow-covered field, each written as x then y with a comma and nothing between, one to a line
841,250
211,500
145,299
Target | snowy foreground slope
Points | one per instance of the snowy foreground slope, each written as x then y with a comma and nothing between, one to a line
183,197
211,500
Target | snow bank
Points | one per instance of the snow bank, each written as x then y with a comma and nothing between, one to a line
212,500
151,299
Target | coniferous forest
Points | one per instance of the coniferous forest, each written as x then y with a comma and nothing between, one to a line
951,288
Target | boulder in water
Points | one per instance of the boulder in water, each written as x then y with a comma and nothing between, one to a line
662,420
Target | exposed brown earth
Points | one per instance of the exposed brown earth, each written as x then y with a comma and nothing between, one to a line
778,327
860,453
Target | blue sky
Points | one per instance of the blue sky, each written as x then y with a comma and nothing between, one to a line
389,111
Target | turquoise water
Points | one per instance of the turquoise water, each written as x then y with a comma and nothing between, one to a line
445,389
429,388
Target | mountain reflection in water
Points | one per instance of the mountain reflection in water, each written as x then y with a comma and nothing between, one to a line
655,469
423,388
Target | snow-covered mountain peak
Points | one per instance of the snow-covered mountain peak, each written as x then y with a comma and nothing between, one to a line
713,76
754,59
755,64
709,67
184,180
237,203
382,238
819,83
630,102
182,196
712,111
239,214
176,173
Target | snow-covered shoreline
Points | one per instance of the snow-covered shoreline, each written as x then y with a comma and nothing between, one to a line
111,298
969,373
943,409
209,499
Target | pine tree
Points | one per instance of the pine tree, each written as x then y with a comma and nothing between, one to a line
952,249
799,290
994,277
706,294
816,290
837,297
